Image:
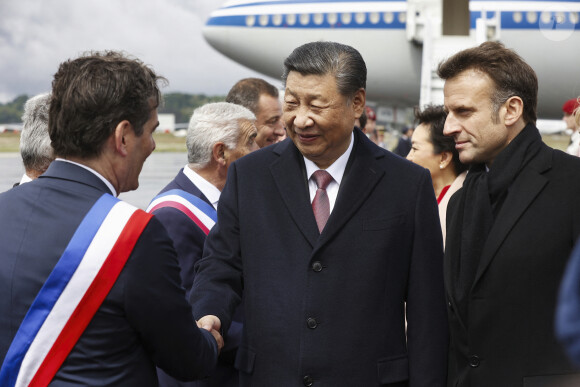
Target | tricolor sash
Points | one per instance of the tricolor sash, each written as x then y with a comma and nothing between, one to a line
201,213
72,293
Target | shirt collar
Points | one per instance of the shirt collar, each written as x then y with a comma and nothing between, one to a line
336,170
25,179
209,190
107,182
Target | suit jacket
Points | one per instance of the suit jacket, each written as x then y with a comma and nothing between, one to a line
328,309
145,319
188,240
508,336
568,308
403,146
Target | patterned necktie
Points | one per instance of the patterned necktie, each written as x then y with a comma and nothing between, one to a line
320,204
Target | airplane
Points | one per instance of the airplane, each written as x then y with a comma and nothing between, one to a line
403,41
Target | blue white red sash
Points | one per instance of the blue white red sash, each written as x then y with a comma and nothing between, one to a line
201,213
74,290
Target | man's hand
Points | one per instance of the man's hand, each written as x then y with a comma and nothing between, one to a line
212,324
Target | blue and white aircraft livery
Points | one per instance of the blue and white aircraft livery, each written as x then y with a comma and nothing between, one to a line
403,41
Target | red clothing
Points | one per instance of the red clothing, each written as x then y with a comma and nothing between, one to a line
442,194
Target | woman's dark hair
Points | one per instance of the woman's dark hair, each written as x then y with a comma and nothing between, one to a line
434,117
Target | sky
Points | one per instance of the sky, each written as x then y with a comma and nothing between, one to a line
37,35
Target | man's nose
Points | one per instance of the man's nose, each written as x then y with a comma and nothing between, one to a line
451,126
303,119
279,128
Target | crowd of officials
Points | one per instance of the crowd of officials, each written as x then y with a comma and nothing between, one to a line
292,249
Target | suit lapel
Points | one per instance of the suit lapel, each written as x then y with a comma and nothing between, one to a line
289,177
452,229
359,179
184,183
526,187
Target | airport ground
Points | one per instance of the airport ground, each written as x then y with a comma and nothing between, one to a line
166,142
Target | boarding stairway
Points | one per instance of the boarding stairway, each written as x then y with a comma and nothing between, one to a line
424,26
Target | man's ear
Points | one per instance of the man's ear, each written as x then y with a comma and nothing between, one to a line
218,152
514,109
122,131
358,102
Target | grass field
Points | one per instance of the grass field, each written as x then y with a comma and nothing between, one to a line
165,142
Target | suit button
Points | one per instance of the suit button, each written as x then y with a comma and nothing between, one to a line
474,361
308,381
317,266
450,305
311,322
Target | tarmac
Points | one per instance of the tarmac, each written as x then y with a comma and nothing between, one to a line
158,170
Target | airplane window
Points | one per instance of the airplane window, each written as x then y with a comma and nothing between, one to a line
574,17
374,17
346,18
264,20
402,17
546,17
277,19
560,18
360,17
318,18
388,17
291,19
250,20
332,18
532,17
304,19
517,17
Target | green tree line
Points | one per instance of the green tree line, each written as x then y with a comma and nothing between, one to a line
180,104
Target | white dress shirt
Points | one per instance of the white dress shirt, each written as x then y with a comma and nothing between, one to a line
336,170
25,179
209,190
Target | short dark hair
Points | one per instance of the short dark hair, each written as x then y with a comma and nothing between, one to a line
247,92
320,58
92,94
434,116
511,75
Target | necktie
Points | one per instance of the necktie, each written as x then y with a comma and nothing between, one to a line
320,204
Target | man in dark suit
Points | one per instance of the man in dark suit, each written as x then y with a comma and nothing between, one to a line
324,302
510,229
404,145
90,285
218,134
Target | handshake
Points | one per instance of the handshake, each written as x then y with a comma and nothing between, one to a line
213,325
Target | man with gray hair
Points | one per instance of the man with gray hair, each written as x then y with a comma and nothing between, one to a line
218,134
326,239
35,148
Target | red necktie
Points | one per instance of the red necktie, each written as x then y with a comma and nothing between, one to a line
320,204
